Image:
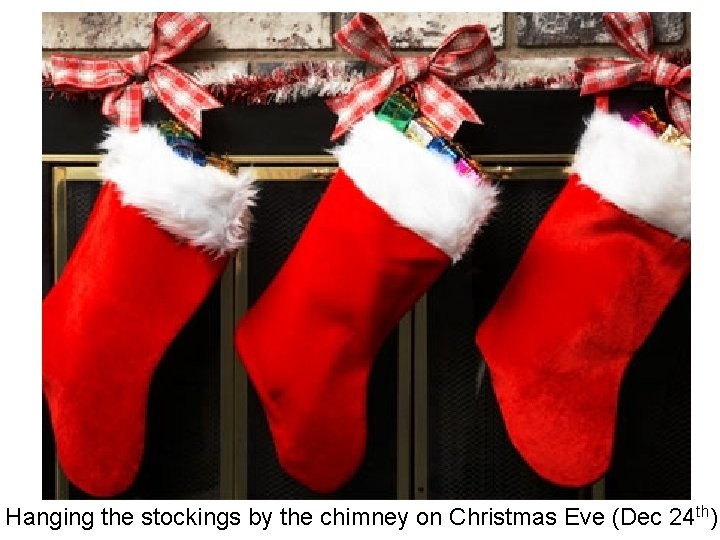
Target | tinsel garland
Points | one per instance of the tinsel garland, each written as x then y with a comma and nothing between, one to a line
302,80
282,85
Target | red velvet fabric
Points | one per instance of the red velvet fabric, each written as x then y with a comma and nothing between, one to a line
310,340
126,291
585,295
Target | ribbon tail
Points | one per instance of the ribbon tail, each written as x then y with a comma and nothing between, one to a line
336,103
123,106
182,96
339,131
443,106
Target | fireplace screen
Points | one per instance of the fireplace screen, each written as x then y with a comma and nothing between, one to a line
434,426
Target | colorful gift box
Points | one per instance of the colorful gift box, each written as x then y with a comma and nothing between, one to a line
444,148
398,110
422,131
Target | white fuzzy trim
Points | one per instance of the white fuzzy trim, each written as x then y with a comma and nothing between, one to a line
205,206
418,188
640,174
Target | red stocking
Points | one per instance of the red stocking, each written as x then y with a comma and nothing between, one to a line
156,241
602,266
393,219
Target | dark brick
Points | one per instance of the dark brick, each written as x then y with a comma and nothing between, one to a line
266,68
537,29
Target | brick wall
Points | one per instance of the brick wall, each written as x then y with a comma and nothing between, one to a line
256,42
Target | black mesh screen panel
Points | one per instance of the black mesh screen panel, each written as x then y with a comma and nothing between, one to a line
80,201
652,447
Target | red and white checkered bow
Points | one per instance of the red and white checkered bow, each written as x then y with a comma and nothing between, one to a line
466,51
173,33
634,33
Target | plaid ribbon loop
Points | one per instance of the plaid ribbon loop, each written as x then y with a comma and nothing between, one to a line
634,33
125,79
466,51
